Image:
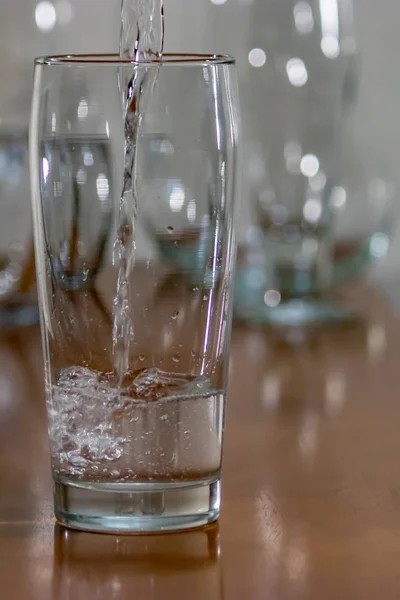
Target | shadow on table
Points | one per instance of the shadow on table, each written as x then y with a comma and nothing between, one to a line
95,566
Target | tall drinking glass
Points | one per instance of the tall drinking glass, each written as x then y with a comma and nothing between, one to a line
139,449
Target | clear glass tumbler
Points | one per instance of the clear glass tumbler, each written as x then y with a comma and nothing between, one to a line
138,450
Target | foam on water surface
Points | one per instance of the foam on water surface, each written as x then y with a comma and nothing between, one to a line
157,424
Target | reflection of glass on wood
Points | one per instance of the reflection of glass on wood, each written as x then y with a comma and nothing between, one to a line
147,566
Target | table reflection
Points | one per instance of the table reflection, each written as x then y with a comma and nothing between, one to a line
310,486
313,376
317,418
91,566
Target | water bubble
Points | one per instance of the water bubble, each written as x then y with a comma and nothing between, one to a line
176,358
205,298
175,315
77,461
170,229
193,354
142,357
87,443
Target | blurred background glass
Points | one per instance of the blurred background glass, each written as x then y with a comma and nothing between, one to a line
322,209
17,265
27,29
360,197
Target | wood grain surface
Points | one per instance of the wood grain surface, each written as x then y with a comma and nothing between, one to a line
311,506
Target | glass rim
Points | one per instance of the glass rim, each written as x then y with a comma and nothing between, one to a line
115,59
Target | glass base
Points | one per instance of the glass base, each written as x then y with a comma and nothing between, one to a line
298,313
251,305
136,508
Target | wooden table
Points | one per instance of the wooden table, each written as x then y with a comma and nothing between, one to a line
311,503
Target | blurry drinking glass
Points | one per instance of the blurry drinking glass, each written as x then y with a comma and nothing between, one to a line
18,305
320,213
139,450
